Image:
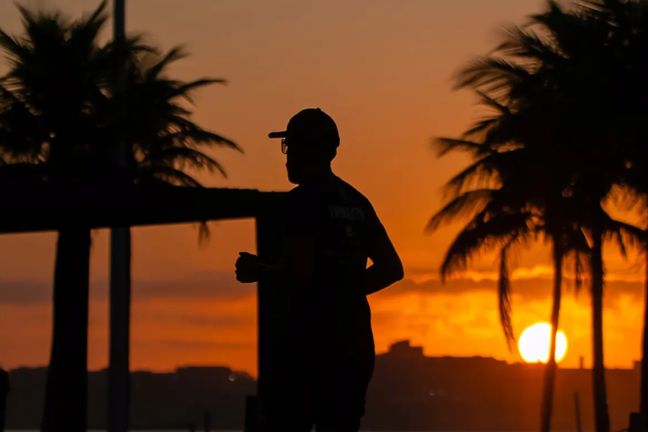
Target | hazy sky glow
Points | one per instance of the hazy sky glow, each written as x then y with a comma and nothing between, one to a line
383,69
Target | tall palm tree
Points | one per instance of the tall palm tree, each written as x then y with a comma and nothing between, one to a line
559,75
526,204
59,121
632,43
514,73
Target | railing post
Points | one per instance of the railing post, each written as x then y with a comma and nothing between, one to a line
269,232
4,390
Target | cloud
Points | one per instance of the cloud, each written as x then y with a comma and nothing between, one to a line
211,285
219,321
203,344
23,292
204,319
526,289
220,285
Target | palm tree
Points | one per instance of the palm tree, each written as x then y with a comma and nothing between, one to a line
48,98
632,42
59,121
151,118
525,204
559,76
163,142
147,113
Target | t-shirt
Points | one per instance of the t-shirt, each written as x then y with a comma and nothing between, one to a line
332,310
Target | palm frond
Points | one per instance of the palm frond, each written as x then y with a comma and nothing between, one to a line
174,54
624,234
446,145
525,43
491,74
504,297
190,137
184,156
490,102
13,48
459,206
480,173
185,89
166,174
86,30
204,233
487,230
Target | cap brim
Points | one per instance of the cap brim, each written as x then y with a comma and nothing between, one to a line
280,134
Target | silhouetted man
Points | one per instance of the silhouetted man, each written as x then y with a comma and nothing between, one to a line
4,389
331,230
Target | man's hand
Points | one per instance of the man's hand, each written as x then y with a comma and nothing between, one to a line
248,267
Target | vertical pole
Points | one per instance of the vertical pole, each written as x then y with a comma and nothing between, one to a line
4,390
579,427
120,297
271,303
119,20
120,280
207,421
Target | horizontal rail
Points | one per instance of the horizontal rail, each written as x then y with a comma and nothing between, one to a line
44,207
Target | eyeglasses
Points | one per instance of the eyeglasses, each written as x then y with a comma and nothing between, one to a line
284,146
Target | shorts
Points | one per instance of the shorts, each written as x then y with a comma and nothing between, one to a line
323,391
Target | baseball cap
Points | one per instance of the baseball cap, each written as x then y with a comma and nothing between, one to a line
310,124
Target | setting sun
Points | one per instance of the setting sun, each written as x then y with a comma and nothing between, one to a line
534,343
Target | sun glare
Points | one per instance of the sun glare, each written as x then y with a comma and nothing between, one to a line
534,343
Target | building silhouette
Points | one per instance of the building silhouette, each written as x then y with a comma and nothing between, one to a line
409,391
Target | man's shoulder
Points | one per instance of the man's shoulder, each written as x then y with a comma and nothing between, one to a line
297,193
301,199
336,190
352,194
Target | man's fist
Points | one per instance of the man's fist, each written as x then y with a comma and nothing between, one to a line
247,267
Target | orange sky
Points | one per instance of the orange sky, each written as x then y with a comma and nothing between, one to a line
382,69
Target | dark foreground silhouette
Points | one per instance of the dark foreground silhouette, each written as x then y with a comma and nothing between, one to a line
330,232
408,391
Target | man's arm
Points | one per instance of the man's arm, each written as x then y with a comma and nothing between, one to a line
387,267
295,266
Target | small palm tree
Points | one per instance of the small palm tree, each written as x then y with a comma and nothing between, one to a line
148,114
164,144
48,129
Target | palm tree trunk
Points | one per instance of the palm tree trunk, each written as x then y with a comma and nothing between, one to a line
643,404
66,389
552,365
601,415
